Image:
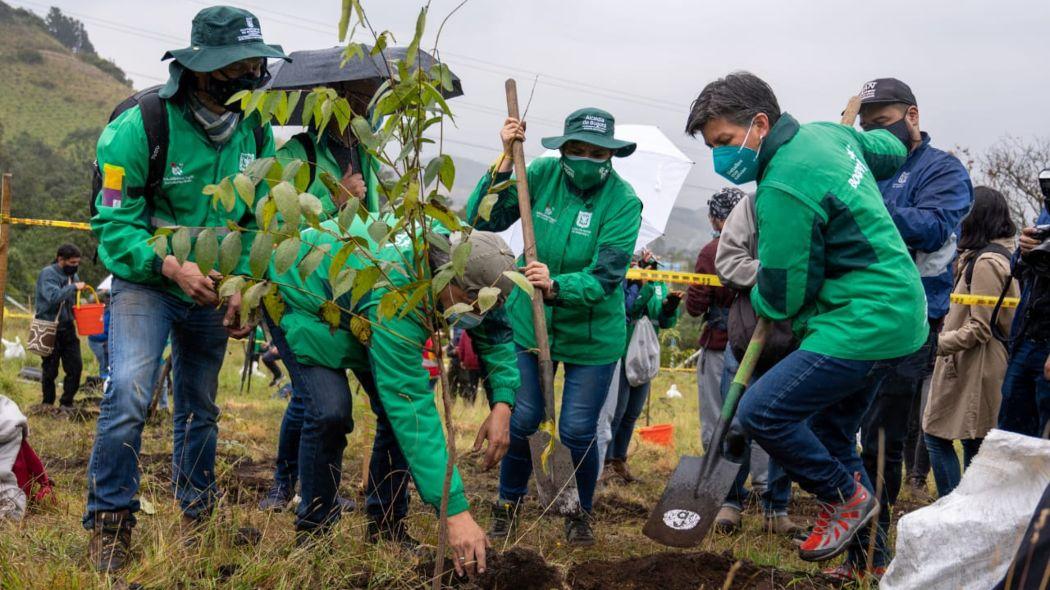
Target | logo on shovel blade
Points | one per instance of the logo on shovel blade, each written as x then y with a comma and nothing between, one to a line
681,520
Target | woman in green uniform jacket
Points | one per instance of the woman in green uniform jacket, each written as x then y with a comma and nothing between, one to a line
586,222
385,356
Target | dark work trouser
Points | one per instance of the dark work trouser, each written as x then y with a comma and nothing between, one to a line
67,351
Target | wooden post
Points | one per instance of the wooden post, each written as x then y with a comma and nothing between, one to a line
5,241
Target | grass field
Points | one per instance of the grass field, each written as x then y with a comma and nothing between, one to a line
47,549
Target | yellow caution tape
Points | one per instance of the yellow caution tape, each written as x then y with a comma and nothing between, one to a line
17,314
45,222
692,278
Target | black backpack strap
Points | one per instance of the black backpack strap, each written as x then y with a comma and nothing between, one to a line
155,124
994,248
260,140
311,156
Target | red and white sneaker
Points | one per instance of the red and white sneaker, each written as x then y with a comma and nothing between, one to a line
837,524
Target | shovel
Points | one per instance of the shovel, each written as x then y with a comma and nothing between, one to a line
551,462
699,485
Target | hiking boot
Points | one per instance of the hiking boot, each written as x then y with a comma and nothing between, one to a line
727,521
619,467
578,531
276,500
837,524
110,544
395,532
504,520
846,572
781,524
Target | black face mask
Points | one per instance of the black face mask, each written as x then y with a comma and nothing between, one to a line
221,90
899,130
70,270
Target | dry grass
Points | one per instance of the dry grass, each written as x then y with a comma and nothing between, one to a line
47,549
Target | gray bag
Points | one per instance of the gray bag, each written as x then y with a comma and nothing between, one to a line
642,362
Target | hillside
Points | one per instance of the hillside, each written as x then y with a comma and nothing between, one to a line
48,91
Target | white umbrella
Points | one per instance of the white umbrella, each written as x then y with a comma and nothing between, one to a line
656,170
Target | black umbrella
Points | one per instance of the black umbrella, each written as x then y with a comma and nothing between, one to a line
323,67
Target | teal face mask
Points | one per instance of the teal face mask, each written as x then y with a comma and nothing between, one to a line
586,173
736,163
467,321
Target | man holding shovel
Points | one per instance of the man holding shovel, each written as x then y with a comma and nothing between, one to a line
586,224
831,260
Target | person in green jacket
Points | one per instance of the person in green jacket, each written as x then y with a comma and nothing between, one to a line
586,221
832,261
385,356
154,295
340,155
659,304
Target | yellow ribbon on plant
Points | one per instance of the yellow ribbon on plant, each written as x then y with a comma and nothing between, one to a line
548,427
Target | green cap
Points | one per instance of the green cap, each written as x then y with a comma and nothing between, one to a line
489,257
593,126
221,35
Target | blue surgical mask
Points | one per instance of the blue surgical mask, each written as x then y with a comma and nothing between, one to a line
467,321
737,164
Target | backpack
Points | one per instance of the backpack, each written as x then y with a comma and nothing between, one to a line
780,340
155,124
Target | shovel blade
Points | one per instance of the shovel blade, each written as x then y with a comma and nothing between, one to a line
686,511
555,485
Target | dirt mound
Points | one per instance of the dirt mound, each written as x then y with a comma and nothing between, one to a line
614,508
687,571
516,568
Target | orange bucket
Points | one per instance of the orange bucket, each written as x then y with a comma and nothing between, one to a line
658,434
88,316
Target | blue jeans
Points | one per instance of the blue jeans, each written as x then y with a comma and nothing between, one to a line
582,397
806,411
141,319
313,438
945,463
629,405
98,348
777,493
1025,408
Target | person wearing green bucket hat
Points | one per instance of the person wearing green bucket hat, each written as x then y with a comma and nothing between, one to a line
154,295
586,221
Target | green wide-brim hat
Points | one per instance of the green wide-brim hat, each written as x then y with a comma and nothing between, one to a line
593,126
221,35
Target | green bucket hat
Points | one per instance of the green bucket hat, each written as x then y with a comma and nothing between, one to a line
593,126
221,35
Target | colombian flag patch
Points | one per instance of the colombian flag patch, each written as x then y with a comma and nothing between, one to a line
112,185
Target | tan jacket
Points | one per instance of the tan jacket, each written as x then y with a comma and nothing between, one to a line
968,376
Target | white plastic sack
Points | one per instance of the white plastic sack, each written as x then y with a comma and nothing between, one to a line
643,354
13,427
13,350
968,538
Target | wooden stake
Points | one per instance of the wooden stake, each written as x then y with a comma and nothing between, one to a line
5,241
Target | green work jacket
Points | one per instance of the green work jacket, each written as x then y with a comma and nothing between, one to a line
586,240
650,304
294,149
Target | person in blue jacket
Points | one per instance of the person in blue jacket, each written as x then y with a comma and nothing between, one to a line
56,289
927,199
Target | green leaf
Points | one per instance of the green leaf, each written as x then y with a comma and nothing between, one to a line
293,101
486,205
487,298
346,214
363,132
413,47
339,260
344,281
266,212
253,102
226,195
342,112
331,314
439,241
239,96
274,303
245,188
206,250
274,173
180,244
378,231
230,285
259,169
160,245
415,298
287,199
312,260
344,19
431,171
310,206
229,252
302,177
251,299
308,106
389,304
460,255
286,255
458,308
448,171
364,281
519,280
280,110
442,279
442,214
259,256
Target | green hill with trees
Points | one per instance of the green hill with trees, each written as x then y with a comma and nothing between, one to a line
57,96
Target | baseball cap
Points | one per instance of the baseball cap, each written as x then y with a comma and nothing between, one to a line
886,90
489,257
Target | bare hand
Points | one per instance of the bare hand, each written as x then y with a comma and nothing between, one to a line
80,286
496,430
232,321
189,278
513,130
539,275
468,543
1029,240
354,184
1046,369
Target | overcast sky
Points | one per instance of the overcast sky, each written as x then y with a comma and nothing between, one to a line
979,69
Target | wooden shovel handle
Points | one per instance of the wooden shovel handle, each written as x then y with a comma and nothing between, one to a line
849,115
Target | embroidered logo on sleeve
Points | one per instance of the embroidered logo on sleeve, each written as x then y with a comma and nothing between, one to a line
112,185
